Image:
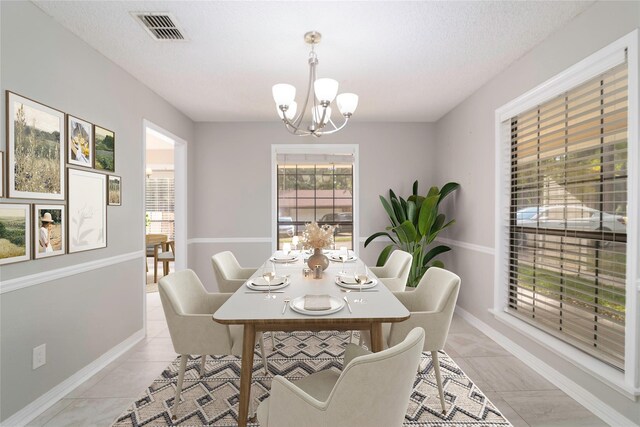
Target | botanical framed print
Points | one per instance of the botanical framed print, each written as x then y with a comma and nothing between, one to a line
87,210
115,190
15,232
35,149
80,146
105,141
49,237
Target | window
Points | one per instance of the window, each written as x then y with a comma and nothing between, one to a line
568,260
567,204
315,187
160,204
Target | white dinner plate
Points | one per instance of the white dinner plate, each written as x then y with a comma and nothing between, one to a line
297,305
336,258
259,284
350,283
284,258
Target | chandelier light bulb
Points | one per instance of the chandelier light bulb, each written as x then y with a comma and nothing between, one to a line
291,111
325,89
317,115
283,94
347,103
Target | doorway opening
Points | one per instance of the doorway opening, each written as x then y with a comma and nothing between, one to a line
164,204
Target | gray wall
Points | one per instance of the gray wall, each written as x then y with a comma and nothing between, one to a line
465,152
80,317
232,178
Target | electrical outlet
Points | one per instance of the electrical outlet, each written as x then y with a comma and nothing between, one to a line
39,356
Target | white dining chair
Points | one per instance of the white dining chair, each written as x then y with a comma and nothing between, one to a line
189,308
229,274
431,305
395,272
373,390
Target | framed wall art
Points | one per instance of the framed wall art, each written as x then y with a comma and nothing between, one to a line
105,143
87,210
80,146
49,237
115,190
15,232
35,149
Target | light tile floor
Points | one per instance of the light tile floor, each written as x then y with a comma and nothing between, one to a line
523,396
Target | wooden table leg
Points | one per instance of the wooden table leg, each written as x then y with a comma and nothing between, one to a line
376,337
248,346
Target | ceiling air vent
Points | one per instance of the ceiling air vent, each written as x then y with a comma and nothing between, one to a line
161,26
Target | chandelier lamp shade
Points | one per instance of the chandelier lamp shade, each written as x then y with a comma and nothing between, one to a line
314,118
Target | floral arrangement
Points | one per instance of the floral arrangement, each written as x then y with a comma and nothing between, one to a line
315,236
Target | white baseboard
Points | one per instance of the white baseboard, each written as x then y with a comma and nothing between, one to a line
583,396
47,400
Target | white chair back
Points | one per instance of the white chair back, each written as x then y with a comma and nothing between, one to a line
397,268
228,271
188,308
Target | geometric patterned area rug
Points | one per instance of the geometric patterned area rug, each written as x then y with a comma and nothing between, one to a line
213,399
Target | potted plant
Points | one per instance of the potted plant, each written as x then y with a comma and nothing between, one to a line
317,237
415,223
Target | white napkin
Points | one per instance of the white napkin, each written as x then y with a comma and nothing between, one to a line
259,281
317,302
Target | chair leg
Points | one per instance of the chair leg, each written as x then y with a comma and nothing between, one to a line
273,342
436,367
183,367
202,363
155,271
263,353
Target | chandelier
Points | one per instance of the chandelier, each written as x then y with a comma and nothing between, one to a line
324,92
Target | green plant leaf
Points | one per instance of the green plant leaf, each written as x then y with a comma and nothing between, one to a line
428,212
415,188
398,210
437,263
434,252
390,212
392,195
412,212
376,235
448,188
437,224
433,191
407,228
384,255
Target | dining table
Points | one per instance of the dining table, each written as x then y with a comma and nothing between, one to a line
250,308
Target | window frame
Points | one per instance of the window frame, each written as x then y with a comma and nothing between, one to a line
627,382
352,149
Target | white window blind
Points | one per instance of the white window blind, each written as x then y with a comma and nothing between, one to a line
160,205
568,215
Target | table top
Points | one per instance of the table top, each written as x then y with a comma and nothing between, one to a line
243,307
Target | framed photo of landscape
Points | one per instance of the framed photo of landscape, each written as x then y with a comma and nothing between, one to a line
80,145
115,190
105,143
49,237
35,149
15,232
87,210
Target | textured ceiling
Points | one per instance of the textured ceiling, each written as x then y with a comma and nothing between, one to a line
408,61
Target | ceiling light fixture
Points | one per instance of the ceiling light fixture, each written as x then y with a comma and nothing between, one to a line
320,98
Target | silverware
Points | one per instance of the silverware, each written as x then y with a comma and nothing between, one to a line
362,290
263,292
348,306
286,302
